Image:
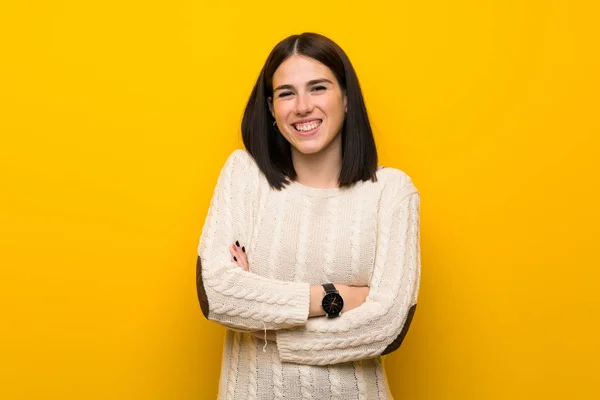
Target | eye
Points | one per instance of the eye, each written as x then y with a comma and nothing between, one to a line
319,88
285,94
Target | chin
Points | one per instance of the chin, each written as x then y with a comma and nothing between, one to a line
314,145
309,149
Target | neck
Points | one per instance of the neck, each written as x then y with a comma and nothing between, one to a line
320,170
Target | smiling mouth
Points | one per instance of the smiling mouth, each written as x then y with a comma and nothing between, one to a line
308,126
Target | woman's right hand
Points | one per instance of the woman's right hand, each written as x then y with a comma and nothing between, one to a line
239,255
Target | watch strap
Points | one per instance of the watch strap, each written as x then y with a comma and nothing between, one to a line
329,288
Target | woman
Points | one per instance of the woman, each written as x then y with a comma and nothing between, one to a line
310,252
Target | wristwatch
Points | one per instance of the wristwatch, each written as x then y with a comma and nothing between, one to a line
332,302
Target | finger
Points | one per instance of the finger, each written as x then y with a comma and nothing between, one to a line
238,256
234,257
243,256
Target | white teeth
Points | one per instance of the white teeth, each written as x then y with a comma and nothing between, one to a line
308,126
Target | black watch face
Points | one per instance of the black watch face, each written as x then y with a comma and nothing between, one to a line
333,303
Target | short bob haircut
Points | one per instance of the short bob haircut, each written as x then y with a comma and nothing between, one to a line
272,152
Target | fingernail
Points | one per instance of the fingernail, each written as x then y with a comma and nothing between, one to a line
237,243
243,249
235,258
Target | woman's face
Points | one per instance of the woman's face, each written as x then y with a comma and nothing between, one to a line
307,103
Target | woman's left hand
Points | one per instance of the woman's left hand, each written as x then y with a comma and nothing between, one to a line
239,256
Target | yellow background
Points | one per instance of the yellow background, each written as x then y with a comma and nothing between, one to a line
115,119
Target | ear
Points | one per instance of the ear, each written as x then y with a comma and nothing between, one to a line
270,102
345,103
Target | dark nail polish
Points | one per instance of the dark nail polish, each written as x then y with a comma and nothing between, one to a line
237,243
235,258
243,249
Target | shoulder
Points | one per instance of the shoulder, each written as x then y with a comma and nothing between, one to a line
396,185
240,162
241,170
239,157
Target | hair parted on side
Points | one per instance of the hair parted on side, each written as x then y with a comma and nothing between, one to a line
272,152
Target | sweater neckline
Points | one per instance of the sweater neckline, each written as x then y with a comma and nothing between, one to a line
299,188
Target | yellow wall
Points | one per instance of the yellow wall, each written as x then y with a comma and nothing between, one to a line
116,118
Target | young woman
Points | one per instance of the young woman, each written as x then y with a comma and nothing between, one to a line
310,252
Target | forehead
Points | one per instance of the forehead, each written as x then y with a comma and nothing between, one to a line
297,70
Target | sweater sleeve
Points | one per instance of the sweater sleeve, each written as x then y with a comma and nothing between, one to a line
378,326
229,295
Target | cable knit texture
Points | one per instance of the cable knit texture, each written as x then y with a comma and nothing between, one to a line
365,235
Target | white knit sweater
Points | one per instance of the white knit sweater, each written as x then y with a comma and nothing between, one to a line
366,235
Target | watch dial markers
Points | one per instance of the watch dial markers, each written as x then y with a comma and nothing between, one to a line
333,303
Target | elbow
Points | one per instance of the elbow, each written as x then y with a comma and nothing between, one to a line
204,304
400,338
202,297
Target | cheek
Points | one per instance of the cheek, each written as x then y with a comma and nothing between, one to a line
282,109
335,110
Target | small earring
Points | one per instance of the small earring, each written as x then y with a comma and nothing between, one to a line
275,126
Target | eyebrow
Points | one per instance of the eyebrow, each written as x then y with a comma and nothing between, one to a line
309,83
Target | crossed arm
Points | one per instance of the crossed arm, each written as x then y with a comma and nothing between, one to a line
245,301
353,296
375,326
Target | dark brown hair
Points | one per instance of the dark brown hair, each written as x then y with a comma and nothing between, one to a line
272,152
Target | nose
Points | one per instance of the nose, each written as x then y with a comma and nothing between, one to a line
303,104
